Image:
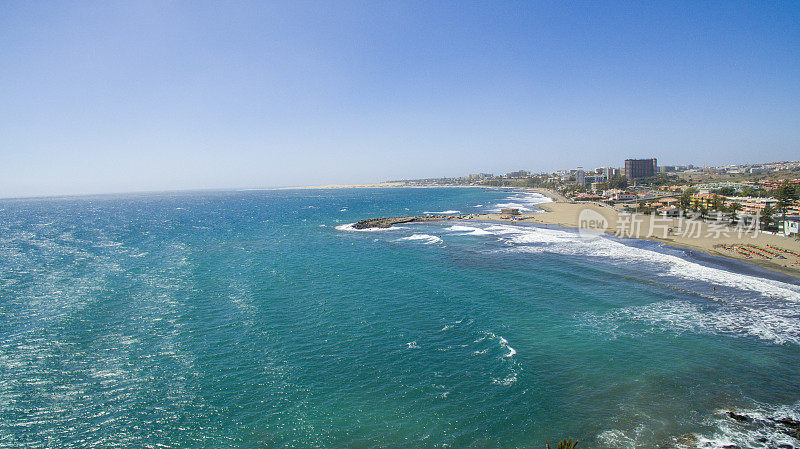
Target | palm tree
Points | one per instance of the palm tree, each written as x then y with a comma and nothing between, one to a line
686,198
766,217
786,195
564,444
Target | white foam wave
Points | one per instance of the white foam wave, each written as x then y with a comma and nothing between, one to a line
469,230
524,201
511,351
422,238
412,345
511,205
758,307
443,212
616,438
532,239
778,325
763,430
503,344
349,227
507,381
512,367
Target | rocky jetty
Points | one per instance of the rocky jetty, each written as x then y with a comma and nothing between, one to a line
387,222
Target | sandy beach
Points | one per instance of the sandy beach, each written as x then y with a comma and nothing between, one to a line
766,250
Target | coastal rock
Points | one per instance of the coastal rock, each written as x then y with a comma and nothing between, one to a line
785,425
387,222
789,422
737,417
382,222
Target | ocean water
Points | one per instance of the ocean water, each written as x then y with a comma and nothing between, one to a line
261,319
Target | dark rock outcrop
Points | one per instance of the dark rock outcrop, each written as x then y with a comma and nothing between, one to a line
784,425
741,418
387,222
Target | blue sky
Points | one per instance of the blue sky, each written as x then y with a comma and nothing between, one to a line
114,96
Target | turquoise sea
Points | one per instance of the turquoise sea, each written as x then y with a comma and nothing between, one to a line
261,319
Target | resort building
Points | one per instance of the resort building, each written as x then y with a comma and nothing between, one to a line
640,168
736,186
709,201
609,172
667,202
619,195
771,184
587,197
752,205
518,174
593,179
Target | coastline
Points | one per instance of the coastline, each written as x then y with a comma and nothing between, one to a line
709,240
379,185
564,212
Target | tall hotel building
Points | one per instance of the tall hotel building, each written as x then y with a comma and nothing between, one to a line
640,168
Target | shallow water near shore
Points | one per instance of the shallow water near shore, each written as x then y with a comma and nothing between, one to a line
259,319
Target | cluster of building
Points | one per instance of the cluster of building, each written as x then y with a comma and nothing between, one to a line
706,197
771,167
713,197
633,185
634,169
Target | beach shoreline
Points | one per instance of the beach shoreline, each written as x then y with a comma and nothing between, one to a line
564,212
567,214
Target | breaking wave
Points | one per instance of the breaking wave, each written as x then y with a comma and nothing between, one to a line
468,230
739,304
422,238
779,325
443,212
524,201
759,428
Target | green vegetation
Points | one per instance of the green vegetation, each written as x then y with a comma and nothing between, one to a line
565,444
767,222
725,191
733,208
686,197
661,179
786,195
754,192
616,182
